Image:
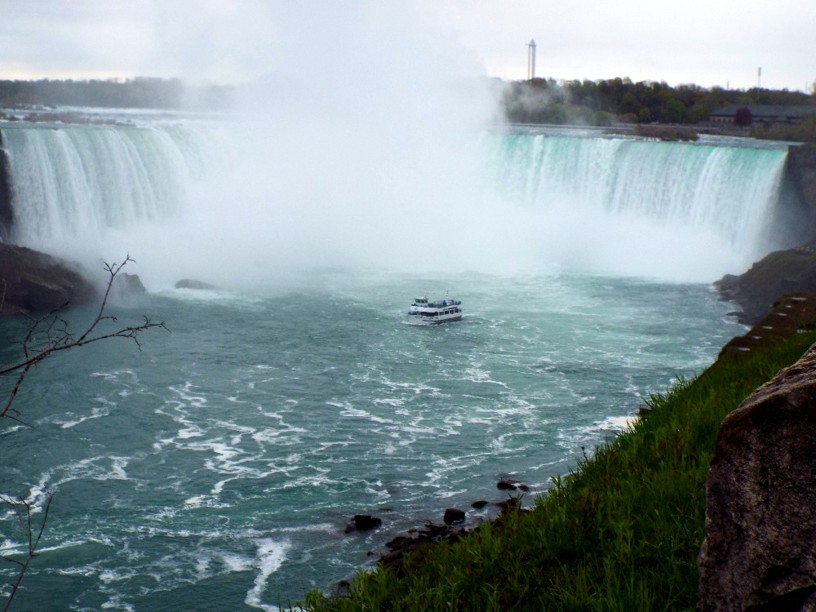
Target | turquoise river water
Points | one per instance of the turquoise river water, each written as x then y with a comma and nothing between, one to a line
218,467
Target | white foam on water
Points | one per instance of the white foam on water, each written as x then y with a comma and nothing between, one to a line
190,432
118,376
74,419
100,468
204,501
83,571
452,493
10,548
570,438
116,603
415,387
188,397
348,410
618,423
476,374
308,528
312,481
273,436
12,429
389,401
269,557
117,575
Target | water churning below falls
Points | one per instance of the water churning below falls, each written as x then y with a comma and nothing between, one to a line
219,466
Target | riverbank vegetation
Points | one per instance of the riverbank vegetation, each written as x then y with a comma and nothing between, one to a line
620,533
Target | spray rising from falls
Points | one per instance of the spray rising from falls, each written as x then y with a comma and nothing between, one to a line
73,184
645,207
189,196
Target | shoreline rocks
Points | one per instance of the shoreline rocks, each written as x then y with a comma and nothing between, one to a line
789,315
455,524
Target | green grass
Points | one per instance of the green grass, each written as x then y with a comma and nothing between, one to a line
622,532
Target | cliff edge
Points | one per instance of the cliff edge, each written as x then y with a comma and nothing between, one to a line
778,273
801,171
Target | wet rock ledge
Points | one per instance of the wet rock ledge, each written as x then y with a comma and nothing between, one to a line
455,524
32,282
777,274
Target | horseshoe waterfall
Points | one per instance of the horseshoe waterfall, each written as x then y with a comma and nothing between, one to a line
220,466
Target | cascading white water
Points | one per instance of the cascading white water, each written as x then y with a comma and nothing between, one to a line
726,189
605,204
635,200
76,182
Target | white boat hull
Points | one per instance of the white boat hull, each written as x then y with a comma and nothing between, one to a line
423,312
416,319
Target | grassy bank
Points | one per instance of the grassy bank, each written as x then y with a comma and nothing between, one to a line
620,533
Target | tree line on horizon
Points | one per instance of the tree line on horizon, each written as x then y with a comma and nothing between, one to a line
140,92
540,100
622,100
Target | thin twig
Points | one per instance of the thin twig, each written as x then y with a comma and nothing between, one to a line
51,334
46,336
23,510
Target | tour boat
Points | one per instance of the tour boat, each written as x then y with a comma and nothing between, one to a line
423,312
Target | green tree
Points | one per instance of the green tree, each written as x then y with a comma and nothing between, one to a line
675,112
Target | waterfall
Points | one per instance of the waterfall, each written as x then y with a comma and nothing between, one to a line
78,181
213,199
728,192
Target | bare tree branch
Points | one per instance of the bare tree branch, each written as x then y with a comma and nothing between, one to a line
46,336
51,334
22,509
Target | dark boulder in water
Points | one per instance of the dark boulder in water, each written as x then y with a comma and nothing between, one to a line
505,484
454,515
32,282
187,283
363,522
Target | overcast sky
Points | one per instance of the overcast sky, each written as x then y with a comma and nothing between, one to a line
711,42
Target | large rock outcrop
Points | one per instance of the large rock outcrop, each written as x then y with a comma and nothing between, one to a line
31,281
759,551
801,170
776,274
6,211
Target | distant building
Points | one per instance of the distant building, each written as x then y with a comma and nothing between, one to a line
765,113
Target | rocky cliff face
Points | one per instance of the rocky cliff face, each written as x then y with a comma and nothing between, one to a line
801,172
787,271
6,211
759,551
35,282
778,273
